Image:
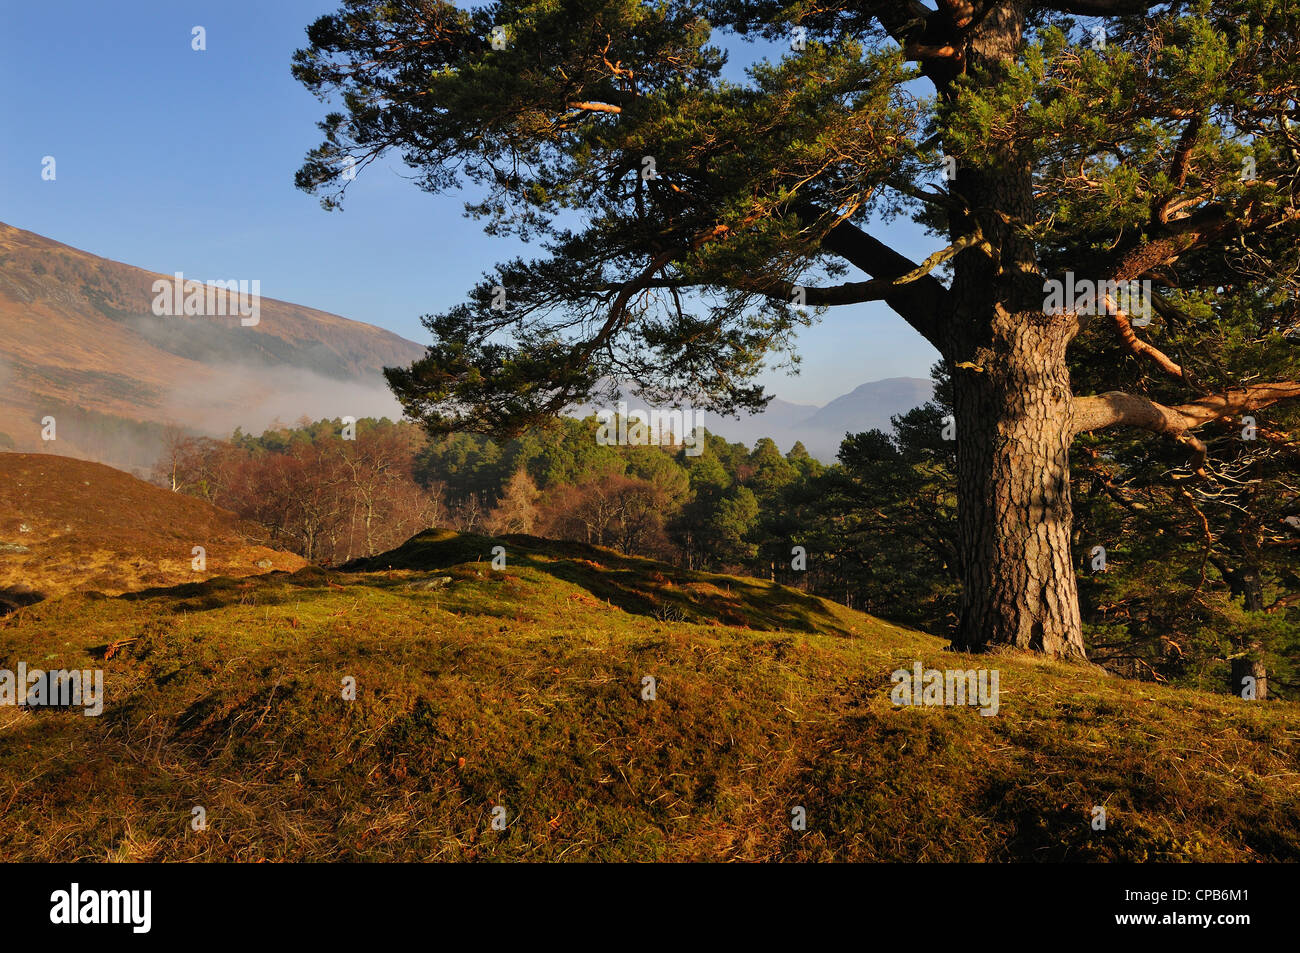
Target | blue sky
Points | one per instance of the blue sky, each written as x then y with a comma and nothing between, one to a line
177,160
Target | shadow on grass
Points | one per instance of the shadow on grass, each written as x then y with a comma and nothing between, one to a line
14,598
634,584
272,588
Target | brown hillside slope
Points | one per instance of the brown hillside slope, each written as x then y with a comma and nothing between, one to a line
70,525
78,330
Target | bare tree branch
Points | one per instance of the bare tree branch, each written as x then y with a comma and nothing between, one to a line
1117,408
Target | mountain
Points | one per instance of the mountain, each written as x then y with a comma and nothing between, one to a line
867,407
80,342
779,420
820,429
870,406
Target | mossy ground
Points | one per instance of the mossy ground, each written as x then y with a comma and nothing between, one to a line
523,688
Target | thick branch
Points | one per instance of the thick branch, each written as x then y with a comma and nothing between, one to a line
921,302
1142,348
1163,210
960,12
1117,408
880,289
872,256
1173,239
1283,601
1133,410
848,292
596,107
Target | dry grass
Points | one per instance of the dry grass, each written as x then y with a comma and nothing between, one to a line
88,527
523,689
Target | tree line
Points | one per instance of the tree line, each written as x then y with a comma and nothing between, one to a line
1175,585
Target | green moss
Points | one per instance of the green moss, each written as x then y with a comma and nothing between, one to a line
523,688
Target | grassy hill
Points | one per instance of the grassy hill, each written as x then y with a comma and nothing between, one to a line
522,688
70,524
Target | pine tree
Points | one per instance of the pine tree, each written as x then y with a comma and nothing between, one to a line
691,221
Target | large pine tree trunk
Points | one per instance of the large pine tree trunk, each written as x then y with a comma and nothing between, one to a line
1014,516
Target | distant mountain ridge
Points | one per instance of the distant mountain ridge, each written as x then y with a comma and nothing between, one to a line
80,336
821,429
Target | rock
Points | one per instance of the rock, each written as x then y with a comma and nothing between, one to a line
264,564
12,548
437,582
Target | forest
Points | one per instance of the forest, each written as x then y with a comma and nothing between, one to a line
1177,585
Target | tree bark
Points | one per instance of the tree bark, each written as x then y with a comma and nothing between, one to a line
1013,484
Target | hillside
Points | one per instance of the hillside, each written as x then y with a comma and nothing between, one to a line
70,524
523,688
81,341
